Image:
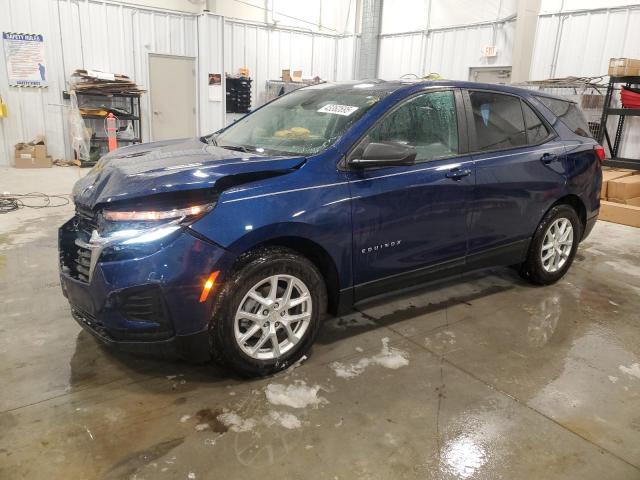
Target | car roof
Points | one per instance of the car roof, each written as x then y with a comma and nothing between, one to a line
386,87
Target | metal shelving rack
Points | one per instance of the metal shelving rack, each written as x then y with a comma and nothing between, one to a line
128,101
607,110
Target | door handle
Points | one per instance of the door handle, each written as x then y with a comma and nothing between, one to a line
457,174
547,158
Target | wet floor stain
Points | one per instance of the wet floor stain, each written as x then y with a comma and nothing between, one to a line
134,462
210,418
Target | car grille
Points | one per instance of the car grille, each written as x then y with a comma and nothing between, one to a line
82,262
75,260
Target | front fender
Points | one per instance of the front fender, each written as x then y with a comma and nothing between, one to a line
317,211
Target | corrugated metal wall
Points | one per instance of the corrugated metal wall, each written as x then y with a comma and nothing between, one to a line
107,36
84,34
580,43
449,52
267,51
210,60
32,111
115,38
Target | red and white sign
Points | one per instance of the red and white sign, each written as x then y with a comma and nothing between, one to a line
489,51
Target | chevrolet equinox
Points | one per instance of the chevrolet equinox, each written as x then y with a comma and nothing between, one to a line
234,246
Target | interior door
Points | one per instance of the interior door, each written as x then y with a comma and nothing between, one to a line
409,220
173,97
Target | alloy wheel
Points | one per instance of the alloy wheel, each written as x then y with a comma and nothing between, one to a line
557,245
273,317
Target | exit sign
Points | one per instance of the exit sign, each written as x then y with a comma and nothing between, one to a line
489,51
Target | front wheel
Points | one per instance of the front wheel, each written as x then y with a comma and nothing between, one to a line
553,246
268,312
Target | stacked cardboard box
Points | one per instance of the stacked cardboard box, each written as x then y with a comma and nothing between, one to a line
624,67
32,154
620,196
612,174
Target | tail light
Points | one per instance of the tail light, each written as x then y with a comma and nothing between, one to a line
599,149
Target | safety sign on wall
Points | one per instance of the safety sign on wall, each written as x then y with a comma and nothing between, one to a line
24,54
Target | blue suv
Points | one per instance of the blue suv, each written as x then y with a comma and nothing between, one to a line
235,245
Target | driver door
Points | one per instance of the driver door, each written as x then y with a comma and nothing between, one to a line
410,222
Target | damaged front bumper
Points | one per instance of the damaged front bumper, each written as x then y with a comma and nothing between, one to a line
147,303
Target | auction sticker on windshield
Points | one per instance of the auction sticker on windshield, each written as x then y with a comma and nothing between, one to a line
345,110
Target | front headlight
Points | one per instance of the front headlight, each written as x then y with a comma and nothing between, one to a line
128,227
128,233
156,215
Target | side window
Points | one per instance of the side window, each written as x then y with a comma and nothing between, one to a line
498,120
537,131
570,115
427,122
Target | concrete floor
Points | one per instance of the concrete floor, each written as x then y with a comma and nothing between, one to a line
494,379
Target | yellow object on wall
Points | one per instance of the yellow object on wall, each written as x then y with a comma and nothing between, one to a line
3,109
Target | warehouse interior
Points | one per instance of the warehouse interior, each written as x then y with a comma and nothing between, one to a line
478,376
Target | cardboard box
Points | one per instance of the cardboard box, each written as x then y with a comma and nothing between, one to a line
612,174
619,213
624,67
32,156
624,188
34,162
635,201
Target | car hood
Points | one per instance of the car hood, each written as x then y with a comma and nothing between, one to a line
177,165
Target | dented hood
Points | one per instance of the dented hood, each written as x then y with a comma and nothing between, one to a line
177,165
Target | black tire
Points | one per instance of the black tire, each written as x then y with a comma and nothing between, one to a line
532,269
251,269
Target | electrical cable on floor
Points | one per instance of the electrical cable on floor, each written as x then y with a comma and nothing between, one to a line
10,202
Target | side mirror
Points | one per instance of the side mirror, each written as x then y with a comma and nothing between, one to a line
385,155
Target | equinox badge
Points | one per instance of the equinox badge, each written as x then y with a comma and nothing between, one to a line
382,246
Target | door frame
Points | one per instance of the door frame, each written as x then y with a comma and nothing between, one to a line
461,119
488,69
197,89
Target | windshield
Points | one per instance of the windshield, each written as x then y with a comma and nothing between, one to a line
303,122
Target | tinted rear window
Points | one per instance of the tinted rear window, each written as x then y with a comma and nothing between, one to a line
537,131
498,120
570,115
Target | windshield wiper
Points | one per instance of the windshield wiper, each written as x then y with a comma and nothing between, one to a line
237,148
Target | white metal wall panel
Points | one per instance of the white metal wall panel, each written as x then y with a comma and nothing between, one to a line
324,57
400,55
267,51
449,52
211,39
32,111
585,43
347,57
83,34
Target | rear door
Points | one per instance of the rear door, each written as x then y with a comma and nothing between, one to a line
410,220
520,165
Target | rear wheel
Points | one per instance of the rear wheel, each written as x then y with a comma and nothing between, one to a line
553,246
268,313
